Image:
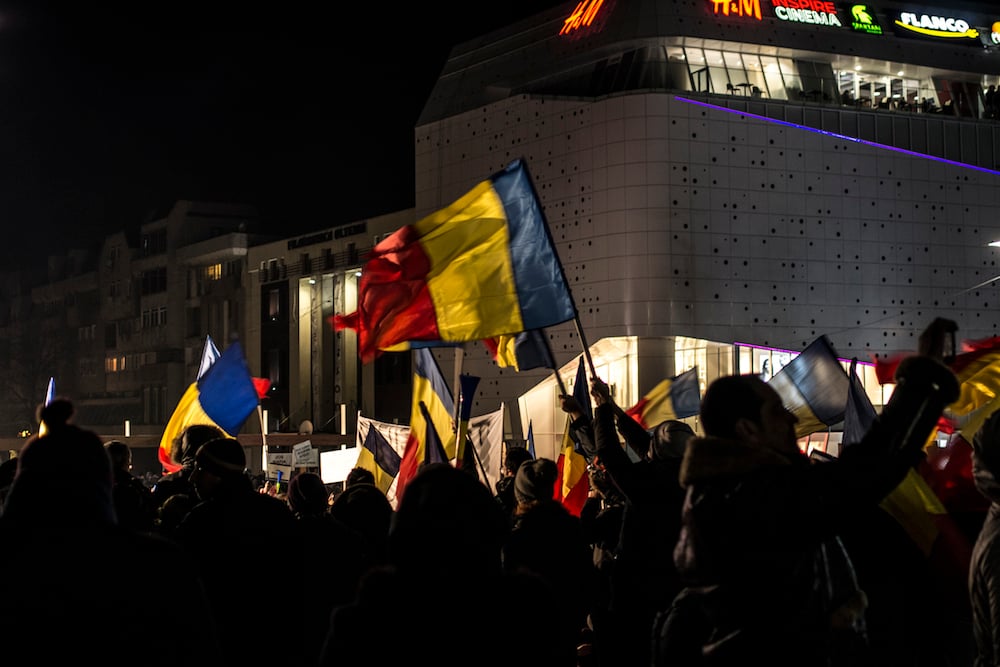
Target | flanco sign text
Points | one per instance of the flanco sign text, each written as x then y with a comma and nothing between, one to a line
936,26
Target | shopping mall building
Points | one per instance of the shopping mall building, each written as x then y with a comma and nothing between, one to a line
727,180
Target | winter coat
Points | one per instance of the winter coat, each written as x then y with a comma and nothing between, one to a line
984,570
758,535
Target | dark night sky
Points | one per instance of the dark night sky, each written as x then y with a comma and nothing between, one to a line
109,111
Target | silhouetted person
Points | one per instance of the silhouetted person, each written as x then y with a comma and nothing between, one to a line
984,575
366,510
134,503
547,541
443,599
336,555
643,578
185,447
512,460
359,476
70,594
766,574
230,535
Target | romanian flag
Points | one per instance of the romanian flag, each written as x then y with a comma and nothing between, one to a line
224,396
914,504
978,371
573,483
482,267
674,398
522,352
814,386
430,389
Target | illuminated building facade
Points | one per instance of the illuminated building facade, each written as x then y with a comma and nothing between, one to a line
718,172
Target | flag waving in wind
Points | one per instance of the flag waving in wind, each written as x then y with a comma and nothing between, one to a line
209,355
482,267
224,396
430,389
674,398
573,483
813,386
522,352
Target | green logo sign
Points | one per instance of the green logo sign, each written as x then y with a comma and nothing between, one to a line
863,19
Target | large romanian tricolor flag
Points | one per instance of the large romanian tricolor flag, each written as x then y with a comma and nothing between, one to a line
430,389
224,396
814,386
674,398
482,267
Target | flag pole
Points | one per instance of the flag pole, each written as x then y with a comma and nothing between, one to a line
562,273
263,438
456,415
586,345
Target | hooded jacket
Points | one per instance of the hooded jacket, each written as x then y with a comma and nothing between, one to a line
984,570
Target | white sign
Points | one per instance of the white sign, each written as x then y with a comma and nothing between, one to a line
279,459
274,469
304,455
337,463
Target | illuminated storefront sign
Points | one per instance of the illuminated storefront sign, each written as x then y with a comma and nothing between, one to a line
582,16
947,27
819,12
863,20
737,8
995,33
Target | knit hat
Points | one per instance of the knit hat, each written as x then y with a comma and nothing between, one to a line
670,439
223,457
535,480
68,462
307,494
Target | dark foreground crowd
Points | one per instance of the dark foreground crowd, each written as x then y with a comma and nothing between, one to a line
729,548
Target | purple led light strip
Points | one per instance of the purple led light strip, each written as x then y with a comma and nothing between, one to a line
837,136
778,349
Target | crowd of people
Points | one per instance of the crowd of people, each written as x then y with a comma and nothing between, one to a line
728,547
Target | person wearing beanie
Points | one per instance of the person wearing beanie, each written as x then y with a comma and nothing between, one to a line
72,568
547,541
341,550
133,501
227,534
535,482
63,476
512,460
642,578
307,495
185,447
